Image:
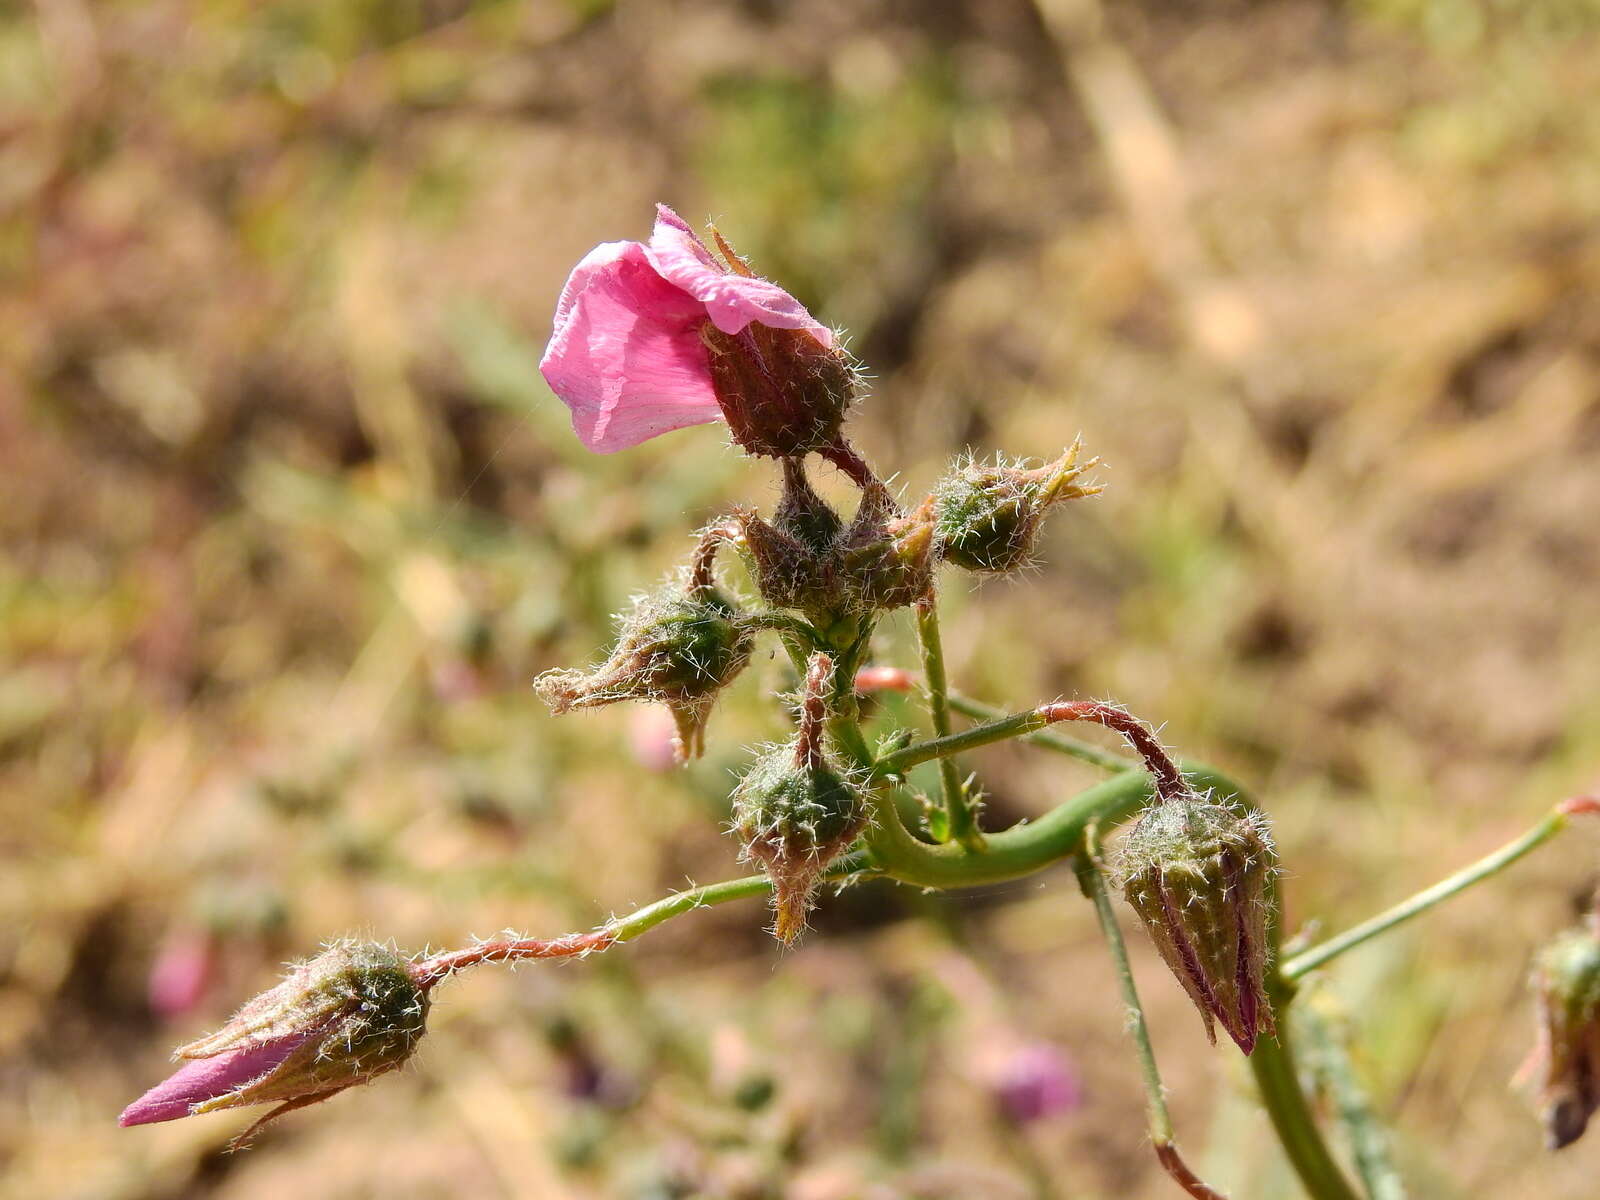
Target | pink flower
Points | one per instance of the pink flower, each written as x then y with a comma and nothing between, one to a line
655,337
1036,1081
204,1079
181,973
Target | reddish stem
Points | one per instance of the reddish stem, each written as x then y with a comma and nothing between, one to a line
1174,1165
814,712
884,679
1169,780
430,971
701,563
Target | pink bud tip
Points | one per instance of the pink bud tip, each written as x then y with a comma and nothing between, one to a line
205,1079
1577,806
884,679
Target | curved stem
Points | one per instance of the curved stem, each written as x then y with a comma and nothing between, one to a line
436,968
1059,742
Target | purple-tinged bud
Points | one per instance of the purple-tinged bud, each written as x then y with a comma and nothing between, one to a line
792,559
988,516
338,1020
782,392
788,573
1198,874
795,811
1566,982
680,646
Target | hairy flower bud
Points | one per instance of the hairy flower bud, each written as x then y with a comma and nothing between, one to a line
807,560
782,392
680,646
1566,982
887,559
795,811
793,559
988,517
1197,875
335,1021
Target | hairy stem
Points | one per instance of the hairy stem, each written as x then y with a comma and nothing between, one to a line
1092,880
1315,957
434,969
1169,781
960,819
1051,740
702,563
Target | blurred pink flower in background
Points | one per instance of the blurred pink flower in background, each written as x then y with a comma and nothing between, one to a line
629,353
653,737
1034,1081
182,973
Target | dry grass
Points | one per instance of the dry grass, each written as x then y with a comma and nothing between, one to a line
289,523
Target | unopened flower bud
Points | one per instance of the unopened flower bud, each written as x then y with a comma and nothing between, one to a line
988,516
1197,874
1566,982
781,391
887,559
788,572
795,811
680,646
338,1020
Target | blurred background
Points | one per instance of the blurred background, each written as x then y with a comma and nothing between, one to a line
289,521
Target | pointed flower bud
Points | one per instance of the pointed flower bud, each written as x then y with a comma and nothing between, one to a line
680,646
340,1019
795,811
988,516
1197,874
792,557
1566,982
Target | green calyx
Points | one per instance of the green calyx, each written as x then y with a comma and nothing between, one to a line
358,1009
1197,875
987,517
1567,974
794,812
680,646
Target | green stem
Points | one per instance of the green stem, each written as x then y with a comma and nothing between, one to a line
1010,854
1014,725
1272,1064
1049,739
1315,957
960,819
439,967
1091,879
1322,1028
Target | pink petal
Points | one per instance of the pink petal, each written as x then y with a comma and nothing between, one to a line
626,355
203,1079
731,301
